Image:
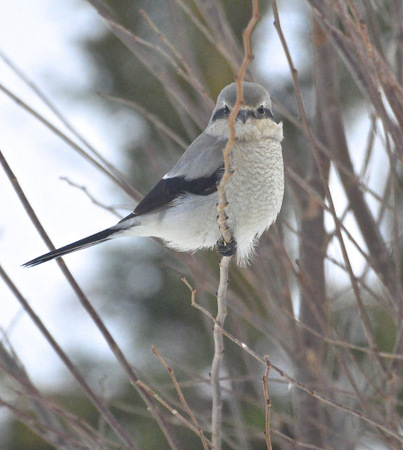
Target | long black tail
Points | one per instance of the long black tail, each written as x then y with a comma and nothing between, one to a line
89,241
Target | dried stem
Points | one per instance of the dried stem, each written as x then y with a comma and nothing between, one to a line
268,404
53,429
218,44
182,399
64,441
216,418
98,403
158,124
330,402
188,75
114,175
117,175
289,379
173,411
222,202
96,202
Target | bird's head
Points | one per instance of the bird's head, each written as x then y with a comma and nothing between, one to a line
254,119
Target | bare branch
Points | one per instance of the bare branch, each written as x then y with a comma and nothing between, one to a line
182,398
98,403
268,404
91,197
125,187
216,418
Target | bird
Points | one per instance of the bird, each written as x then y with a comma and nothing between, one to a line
182,207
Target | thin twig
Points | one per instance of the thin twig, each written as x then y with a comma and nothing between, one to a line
283,374
141,49
96,202
330,402
10,365
182,398
188,75
173,411
44,430
98,403
218,44
78,426
321,147
268,404
118,176
216,417
222,202
118,180
150,117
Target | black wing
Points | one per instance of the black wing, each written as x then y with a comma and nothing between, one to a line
169,189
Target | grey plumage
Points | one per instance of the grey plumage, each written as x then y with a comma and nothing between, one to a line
181,209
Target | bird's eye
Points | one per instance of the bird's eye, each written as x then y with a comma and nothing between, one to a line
261,110
226,110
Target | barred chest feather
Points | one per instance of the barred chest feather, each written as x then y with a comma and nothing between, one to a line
255,190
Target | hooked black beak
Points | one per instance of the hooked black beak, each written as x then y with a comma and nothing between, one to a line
243,114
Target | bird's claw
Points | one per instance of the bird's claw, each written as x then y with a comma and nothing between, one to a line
226,248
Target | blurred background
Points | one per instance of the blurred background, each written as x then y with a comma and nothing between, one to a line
128,85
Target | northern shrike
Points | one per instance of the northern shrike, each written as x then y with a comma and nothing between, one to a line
181,208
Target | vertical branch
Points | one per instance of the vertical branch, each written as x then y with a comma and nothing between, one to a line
268,403
216,418
182,398
222,199
312,242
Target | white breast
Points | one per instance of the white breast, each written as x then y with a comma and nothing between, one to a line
254,192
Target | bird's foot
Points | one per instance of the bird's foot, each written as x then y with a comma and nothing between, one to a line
226,248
